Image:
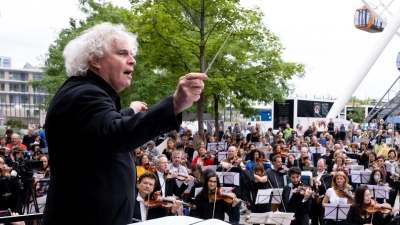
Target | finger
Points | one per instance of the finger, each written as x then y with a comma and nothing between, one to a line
200,76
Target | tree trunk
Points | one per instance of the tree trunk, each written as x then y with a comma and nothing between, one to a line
216,116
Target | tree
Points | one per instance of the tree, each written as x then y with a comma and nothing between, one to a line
184,36
145,81
358,113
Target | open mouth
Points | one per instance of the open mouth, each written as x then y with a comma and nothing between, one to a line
128,72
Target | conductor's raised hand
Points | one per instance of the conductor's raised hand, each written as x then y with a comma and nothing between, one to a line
188,91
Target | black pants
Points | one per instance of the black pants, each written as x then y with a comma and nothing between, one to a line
317,213
393,194
333,222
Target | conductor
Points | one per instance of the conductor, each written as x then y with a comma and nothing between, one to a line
100,64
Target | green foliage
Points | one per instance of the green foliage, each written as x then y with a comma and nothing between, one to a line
15,124
178,37
358,114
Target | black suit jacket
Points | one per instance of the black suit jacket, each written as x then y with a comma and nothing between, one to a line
326,181
89,108
296,205
153,213
171,187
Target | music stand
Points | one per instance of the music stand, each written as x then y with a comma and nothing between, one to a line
222,155
257,144
279,218
232,178
263,196
388,165
221,145
380,192
318,150
276,195
365,176
336,211
356,177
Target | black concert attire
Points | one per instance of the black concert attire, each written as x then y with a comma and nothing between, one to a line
170,186
353,218
206,208
152,213
295,203
276,179
317,211
87,106
235,216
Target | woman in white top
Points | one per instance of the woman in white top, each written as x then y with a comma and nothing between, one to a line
338,193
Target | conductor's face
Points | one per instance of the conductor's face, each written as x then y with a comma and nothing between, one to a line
117,66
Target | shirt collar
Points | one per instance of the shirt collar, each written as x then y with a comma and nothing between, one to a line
139,198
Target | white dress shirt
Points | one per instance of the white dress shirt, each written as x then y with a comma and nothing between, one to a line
143,210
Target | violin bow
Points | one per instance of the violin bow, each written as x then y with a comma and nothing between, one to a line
279,193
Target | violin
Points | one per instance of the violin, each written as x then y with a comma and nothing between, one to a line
219,195
149,167
300,190
344,193
306,161
372,207
166,202
283,155
209,154
283,170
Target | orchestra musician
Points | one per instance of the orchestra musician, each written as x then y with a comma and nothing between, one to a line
339,165
277,150
254,155
167,186
169,149
338,193
143,165
321,181
296,146
254,136
362,211
371,163
197,173
212,203
395,171
294,202
275,176
305,159
203,158
291,161
376,178
145,187
232,164
259,182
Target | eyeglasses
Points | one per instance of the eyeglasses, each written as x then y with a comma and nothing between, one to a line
162,162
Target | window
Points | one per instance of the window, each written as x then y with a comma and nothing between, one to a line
3,98
11,98
1,74
24,88
36,113
15,87
14,76
24,77
6,62
2,87
36,76
24,99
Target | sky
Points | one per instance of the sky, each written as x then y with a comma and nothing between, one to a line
318,33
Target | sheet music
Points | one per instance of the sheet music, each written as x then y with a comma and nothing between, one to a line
190,185
263,196
318,150
216,146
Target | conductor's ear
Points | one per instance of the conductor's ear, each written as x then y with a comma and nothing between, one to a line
95,63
